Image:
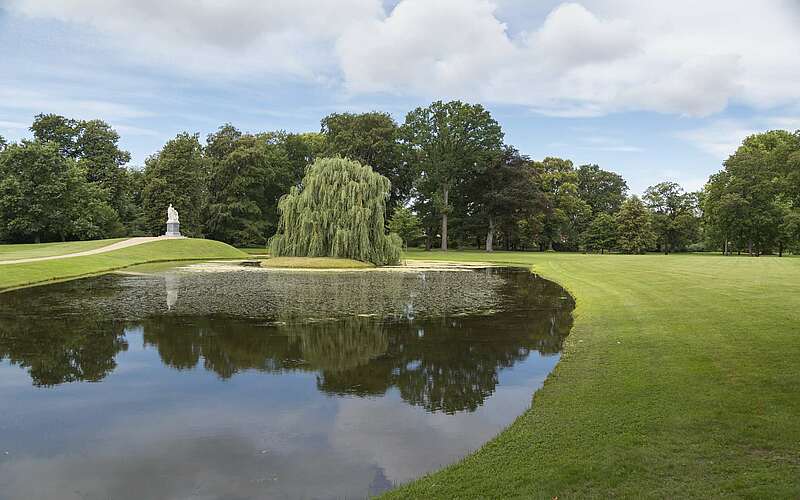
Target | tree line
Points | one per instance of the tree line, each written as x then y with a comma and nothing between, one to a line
454,183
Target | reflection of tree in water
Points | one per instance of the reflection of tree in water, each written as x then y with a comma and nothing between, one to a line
228,347
446,364
62,350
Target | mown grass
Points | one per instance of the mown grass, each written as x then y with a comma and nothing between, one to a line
314,263
254,250
34,250
16,275
680,378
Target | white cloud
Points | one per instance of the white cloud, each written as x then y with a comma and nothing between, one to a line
579,59
720,138
75,107
220,38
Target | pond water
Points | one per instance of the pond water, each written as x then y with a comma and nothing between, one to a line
218,381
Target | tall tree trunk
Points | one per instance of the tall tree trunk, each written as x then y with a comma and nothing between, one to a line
490,236
780,249
444,220
750,248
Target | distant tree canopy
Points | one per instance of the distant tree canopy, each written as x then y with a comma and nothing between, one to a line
46,197
372,139
175,175
339,211
453,182
451,144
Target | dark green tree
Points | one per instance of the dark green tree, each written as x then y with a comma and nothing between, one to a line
45,197
634,228
602,190
177,174
372,139
247,176
58,129
509,190
743,203
451,143
94,145
602,233
565,214
676,217
405,224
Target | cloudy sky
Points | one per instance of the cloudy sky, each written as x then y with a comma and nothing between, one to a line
653,90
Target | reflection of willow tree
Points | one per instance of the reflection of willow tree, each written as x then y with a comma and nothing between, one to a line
228,347
447,364
56,351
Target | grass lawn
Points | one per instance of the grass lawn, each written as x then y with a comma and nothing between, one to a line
254,251
681,378
34,250
314,263
15,275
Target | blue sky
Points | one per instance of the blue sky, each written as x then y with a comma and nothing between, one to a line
654,91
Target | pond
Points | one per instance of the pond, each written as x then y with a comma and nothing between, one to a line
214,380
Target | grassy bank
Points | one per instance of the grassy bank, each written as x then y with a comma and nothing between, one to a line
35,250
680,379
15,275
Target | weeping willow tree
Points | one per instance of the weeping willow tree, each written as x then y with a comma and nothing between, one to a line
338,212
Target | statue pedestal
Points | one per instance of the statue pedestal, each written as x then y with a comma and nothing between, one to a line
173,229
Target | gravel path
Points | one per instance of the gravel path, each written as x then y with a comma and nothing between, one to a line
109,248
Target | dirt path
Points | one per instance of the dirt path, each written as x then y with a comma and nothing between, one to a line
109,248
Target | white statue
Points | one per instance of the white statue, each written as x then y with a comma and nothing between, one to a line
172,215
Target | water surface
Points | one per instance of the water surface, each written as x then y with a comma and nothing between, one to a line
244,383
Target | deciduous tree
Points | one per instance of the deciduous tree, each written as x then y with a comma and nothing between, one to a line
451,143
634,229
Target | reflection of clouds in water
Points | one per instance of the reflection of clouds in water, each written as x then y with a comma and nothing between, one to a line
195,454
408,442
225,446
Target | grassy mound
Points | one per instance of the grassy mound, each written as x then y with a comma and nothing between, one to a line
15,275
35,250
314,263
679,380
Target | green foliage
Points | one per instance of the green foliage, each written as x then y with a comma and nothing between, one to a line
602,190
745,203
45,197
372,139
675,217
94,145
248,174
451,143
510,190
338,212
602,233
177,174
565,214
634,227
405,224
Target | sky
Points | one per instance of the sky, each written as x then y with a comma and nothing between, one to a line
652,90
